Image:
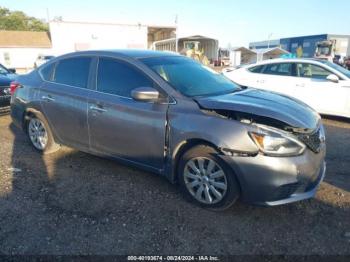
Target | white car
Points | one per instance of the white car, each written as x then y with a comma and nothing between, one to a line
322,85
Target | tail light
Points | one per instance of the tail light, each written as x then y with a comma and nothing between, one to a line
13,87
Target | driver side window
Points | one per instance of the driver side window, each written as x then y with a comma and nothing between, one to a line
311,71
119,78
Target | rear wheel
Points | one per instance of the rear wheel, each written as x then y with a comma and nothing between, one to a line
40,135
206,179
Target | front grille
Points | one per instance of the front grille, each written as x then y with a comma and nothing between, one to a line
312,141
285,191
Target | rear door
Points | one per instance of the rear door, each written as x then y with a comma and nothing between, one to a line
64,100
120,126
246,76
314,89
277,77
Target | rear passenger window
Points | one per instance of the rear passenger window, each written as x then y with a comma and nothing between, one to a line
119,78
283,69
46,72
73,71
256,69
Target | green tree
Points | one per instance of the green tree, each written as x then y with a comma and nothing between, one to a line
19,21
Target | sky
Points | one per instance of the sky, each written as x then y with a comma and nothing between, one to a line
232,22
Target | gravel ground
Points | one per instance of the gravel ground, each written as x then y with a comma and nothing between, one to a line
74,203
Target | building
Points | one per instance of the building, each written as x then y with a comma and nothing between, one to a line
307,44
19,49
77,36
209,46
269,53
264,44
242,55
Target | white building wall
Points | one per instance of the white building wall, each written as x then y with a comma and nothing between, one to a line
21,58
74,36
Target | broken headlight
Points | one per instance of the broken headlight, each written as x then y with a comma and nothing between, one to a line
273,142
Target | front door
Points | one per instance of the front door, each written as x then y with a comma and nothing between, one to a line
120,126
314,89
277,77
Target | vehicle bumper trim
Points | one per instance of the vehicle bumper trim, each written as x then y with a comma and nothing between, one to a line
298,196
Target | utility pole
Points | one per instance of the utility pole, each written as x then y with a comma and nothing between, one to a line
268,40
176,45
47,15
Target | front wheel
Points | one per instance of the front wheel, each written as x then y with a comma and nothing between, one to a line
40,135
206,179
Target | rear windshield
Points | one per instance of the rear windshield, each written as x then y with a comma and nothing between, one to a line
190,77
3,70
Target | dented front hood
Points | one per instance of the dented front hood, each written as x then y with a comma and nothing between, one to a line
267,104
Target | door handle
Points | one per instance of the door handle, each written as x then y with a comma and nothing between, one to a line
48,98
260,81
300,85
98,109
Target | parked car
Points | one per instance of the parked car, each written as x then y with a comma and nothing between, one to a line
321,84
6,77
173,116
42,59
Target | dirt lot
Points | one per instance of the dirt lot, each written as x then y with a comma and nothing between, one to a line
74,203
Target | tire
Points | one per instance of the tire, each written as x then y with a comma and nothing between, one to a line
46,144
224,180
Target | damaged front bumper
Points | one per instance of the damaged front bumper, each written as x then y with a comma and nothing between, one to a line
271,181
310,193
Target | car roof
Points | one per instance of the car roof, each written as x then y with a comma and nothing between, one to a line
286,60
132,53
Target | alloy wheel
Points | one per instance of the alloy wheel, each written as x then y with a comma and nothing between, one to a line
205,180
37,133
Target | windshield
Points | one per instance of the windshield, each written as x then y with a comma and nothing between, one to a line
323,50
189,77
339,68
3,70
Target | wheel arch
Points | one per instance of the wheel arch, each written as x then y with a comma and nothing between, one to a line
34,112
183,147
27,114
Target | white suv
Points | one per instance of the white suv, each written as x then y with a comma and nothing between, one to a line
323,85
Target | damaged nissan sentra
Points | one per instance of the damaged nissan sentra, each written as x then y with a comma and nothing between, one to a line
171,115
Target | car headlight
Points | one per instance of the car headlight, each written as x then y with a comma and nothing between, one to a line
277,143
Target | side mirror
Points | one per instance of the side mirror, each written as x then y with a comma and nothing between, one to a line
145,94
333,78
12,70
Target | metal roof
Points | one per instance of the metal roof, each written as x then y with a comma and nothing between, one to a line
24,39
196,37
268,50
243,49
